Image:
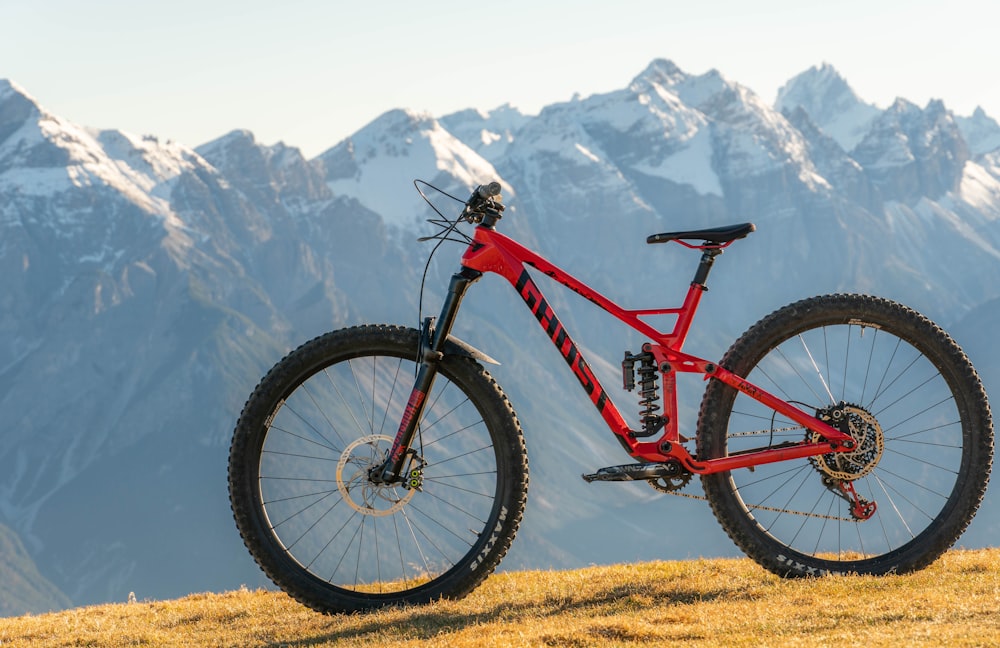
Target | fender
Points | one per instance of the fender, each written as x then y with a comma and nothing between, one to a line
455,346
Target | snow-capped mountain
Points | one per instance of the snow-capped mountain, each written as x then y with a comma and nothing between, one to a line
147,286
367,165
831,104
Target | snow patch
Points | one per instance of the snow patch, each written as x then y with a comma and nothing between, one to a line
691,165
587,154
980,189
489,137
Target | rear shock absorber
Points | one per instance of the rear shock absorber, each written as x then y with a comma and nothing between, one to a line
649,393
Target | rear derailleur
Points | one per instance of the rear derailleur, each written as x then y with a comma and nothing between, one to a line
861,509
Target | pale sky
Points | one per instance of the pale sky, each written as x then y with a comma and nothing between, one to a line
311,72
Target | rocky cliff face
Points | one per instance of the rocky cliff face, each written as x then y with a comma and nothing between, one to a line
911,153
147,286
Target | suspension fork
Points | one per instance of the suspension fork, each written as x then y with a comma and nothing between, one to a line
432,341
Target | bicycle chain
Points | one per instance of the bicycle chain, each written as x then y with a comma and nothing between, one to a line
764,508
791,428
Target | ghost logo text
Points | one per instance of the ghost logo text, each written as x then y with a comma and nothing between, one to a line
532,296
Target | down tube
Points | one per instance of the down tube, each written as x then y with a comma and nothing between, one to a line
540,308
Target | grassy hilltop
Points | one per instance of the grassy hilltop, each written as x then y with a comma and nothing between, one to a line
730,602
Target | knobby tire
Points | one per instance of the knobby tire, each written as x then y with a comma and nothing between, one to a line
916,405
299,462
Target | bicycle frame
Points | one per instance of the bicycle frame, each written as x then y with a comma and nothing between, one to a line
491,251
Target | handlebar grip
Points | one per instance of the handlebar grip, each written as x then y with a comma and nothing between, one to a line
488,190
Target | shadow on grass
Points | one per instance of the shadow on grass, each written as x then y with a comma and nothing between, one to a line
426,622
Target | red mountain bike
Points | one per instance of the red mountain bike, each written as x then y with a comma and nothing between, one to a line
381,465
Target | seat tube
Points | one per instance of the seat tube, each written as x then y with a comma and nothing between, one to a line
431,354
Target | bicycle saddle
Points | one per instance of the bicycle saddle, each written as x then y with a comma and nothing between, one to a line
726,234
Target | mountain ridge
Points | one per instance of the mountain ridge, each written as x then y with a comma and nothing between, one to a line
152,284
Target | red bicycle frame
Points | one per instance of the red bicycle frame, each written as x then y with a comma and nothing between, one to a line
491,251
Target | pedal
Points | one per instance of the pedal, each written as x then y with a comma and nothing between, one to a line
635,472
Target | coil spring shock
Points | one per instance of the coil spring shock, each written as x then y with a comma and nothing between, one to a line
648,391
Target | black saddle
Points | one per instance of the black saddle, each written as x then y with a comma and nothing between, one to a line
726,234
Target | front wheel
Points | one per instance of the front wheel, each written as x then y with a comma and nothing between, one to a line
300,474
908,395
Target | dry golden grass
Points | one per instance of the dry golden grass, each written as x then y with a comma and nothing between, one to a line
699,602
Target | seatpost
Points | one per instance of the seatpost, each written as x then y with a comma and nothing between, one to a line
428,363
705,266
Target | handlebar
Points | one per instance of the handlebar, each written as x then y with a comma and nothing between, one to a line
484,205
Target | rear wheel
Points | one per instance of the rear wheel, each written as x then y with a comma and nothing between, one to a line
908,395
299,467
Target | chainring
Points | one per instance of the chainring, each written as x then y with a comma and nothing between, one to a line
670,484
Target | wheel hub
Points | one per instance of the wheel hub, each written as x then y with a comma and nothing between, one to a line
358,490
869,443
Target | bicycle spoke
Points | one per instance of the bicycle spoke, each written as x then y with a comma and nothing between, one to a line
392,392
453,506
460,488
805,520
801,377
324,415
905,438
818,372
885,374
344,554
892,502
902,373
361,398
416,543
445,415
306,439
308,423
347,406
302,510
450,434
295,497
847,363
460,456
924,461
868,366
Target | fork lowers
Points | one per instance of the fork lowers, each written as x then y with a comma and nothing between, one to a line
648,391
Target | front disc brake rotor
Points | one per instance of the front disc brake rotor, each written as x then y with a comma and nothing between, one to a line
360,493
